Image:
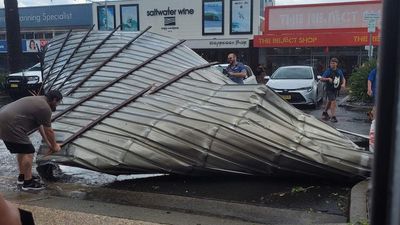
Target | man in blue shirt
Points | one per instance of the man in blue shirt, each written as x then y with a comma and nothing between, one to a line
235,70
334,81
372,84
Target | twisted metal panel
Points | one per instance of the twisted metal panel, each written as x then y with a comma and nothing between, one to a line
195,124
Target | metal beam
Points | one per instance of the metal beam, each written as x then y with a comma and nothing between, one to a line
105,115
108,60
116,80
56,57
386,170
69,58
88,56
184,73
131,99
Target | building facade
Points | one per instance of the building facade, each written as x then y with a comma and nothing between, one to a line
40,24
312,34
212,28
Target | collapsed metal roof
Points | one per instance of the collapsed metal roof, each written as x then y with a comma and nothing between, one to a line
140,102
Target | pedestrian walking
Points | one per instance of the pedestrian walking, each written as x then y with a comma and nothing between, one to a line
236,71
335,80
371,83
260,74
371,90
17,119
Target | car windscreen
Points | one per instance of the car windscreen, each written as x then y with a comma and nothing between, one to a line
35,68
293,73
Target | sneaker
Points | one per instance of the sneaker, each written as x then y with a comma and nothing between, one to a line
333,119
32,185
325,116
20,179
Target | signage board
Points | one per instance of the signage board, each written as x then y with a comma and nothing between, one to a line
315,39
321,16
30,45
171,17
368,16
217,43
371,26
53,16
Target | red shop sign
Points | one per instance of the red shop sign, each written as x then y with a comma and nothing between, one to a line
315,39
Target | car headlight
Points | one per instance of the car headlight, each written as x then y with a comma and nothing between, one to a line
308,89
32,79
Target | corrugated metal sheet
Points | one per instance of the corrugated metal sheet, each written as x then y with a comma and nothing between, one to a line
139,102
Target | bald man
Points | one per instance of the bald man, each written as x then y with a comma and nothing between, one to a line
236,70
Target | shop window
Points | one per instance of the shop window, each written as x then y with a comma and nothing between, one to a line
59,33
27,35
241,17
48,35
213,17
39,35
129,15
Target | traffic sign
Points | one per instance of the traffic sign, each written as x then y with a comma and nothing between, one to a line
370,15
371,25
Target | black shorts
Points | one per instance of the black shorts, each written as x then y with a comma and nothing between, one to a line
331,94
15,148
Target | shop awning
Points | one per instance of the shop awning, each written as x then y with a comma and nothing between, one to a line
139,102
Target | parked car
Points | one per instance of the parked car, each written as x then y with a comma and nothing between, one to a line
297,84
24,83
250,78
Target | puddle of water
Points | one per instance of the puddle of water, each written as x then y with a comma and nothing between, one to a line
88,177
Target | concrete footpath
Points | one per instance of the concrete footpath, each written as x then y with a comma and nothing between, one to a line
71,204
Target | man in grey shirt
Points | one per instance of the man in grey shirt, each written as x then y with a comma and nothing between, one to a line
17,119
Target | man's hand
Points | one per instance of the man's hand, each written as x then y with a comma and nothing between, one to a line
56,148
369,92
330,80
53,149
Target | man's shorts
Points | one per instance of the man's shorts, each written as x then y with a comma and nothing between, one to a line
331,95
15,148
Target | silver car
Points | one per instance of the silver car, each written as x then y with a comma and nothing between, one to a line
297,84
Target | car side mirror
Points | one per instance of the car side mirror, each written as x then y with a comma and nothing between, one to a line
319,77
266,78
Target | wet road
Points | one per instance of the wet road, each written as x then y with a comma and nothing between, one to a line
291,193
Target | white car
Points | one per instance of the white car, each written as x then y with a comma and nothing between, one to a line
24,83
250,78
297,84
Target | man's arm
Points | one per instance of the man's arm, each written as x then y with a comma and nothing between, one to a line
344,82
369,91
49,132
325,77
42,133
243,74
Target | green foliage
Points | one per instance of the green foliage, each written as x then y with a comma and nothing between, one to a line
360,222
358,82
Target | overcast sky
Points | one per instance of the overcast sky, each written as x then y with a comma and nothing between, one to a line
23,3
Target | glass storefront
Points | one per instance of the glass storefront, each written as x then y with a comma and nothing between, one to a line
317,57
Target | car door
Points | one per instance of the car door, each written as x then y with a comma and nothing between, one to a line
319,84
